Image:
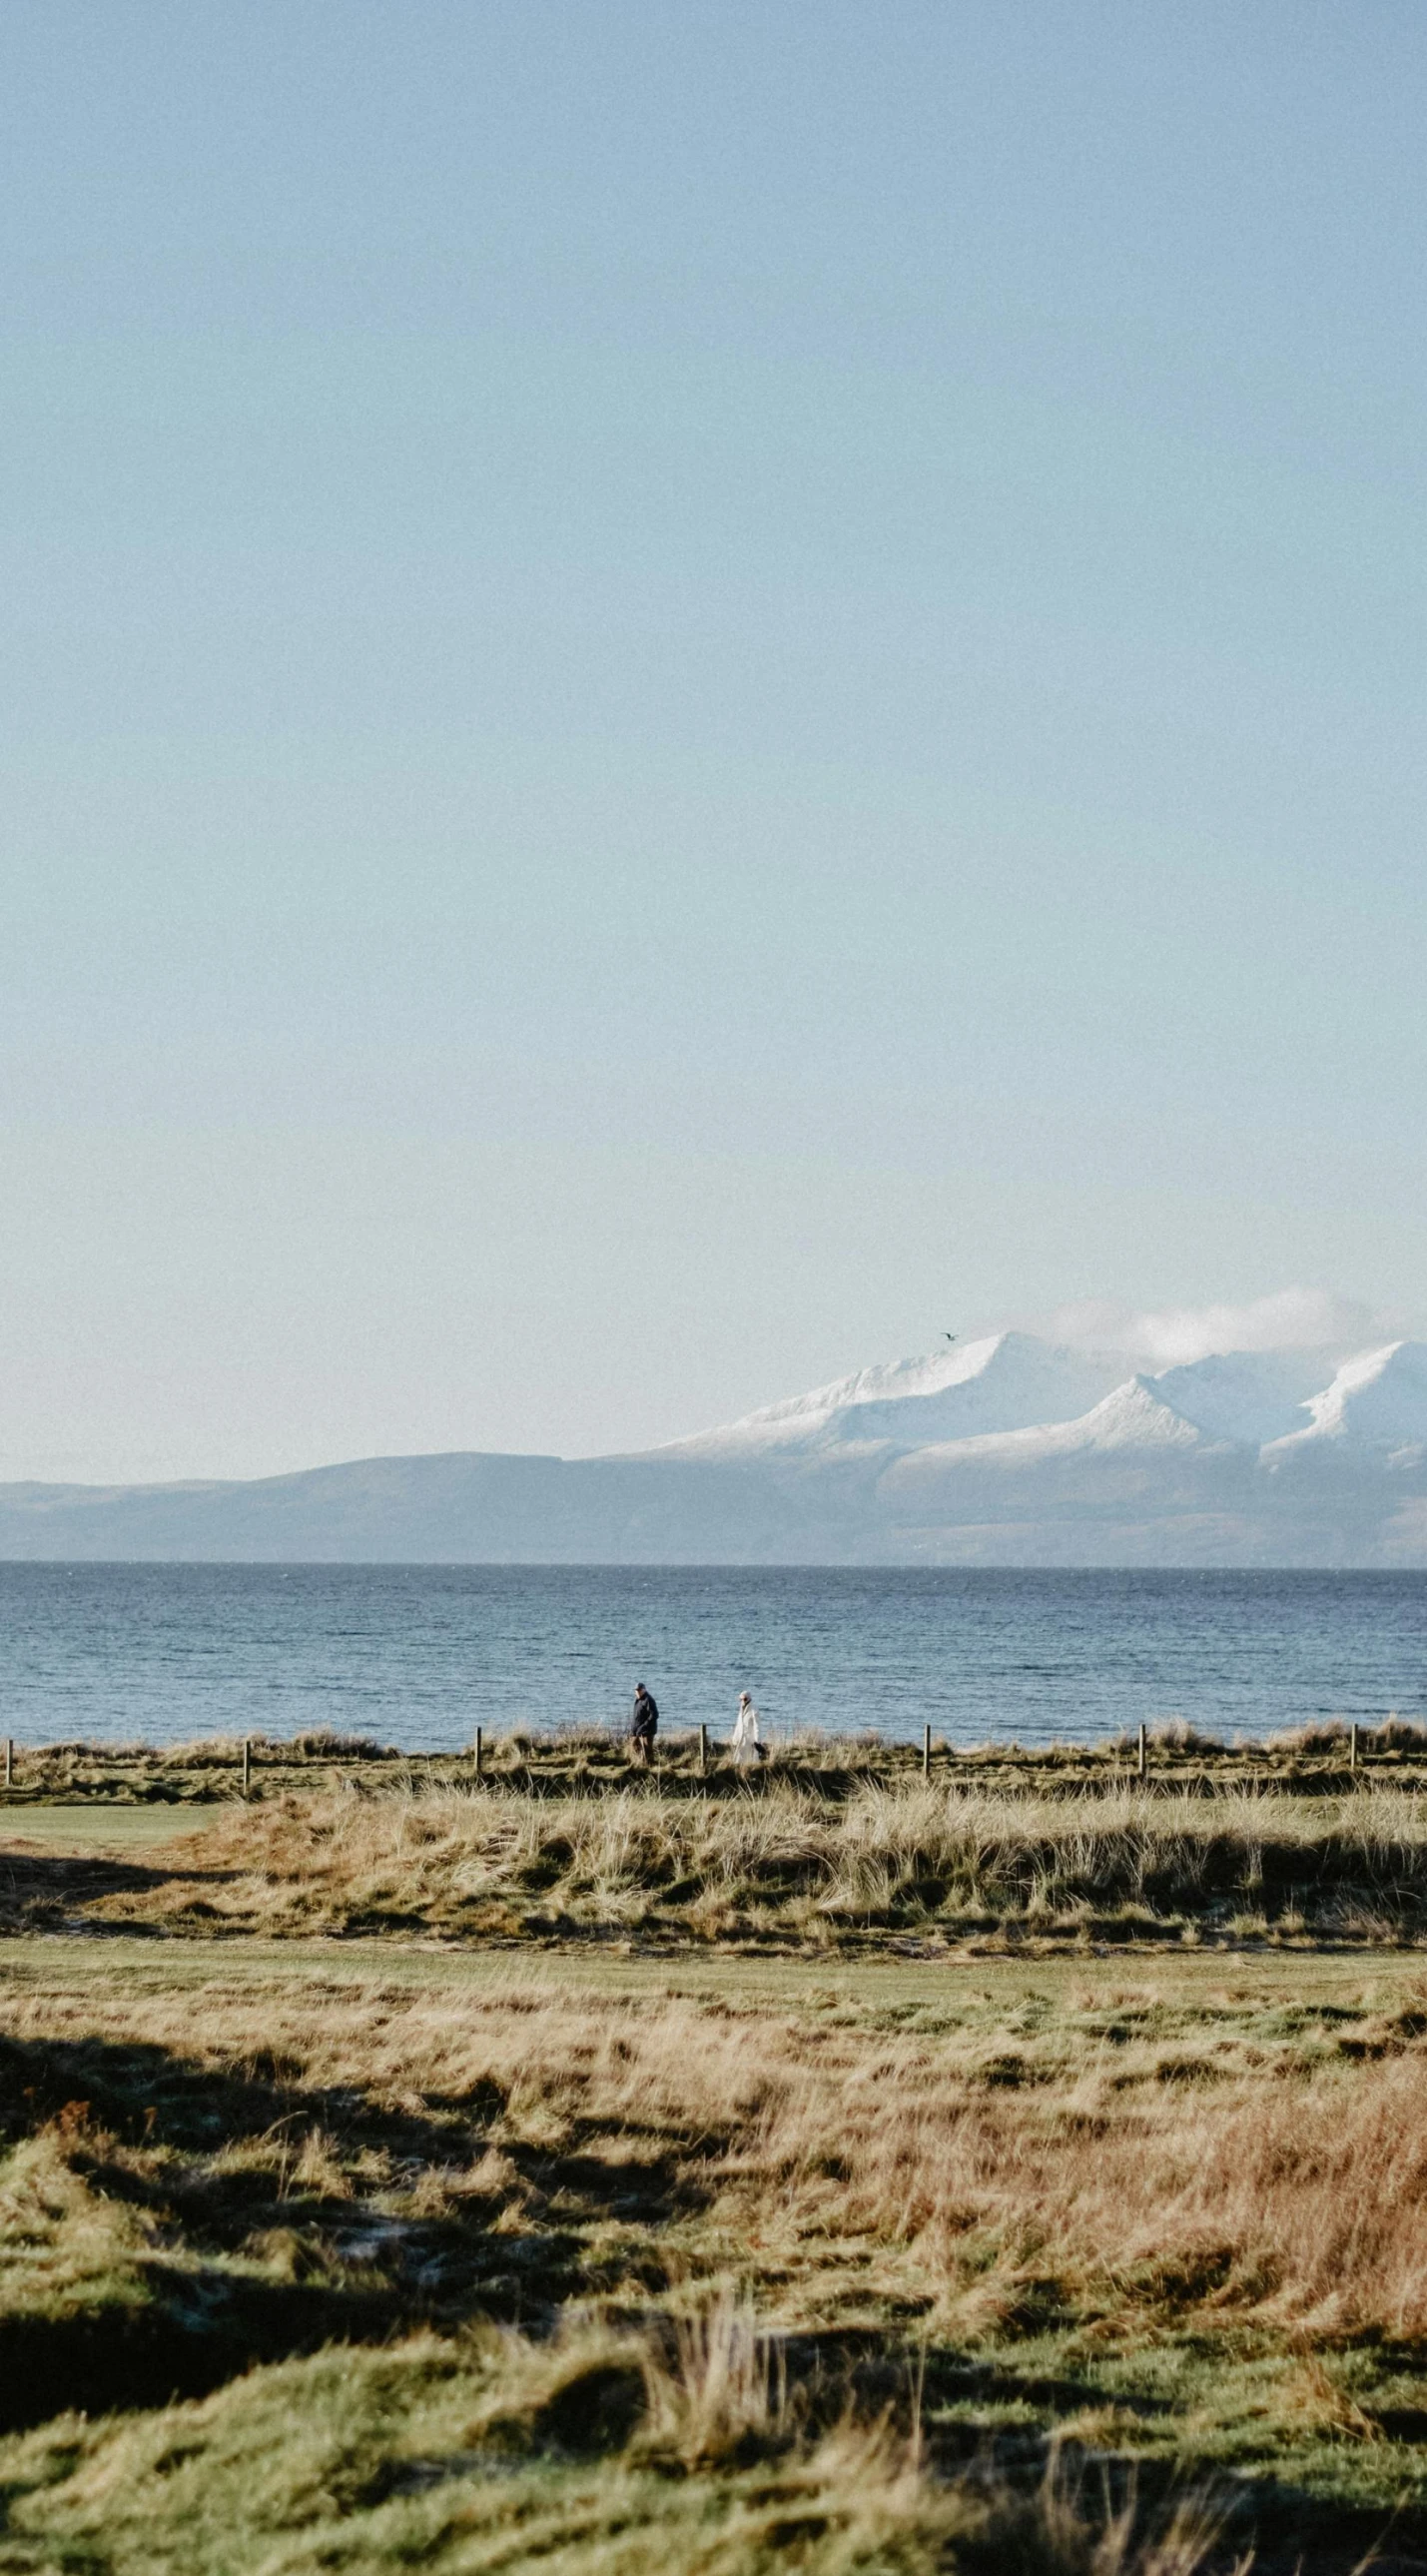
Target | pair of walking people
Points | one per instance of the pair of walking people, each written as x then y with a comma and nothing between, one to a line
745,1745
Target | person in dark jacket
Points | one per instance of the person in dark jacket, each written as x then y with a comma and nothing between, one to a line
645,1723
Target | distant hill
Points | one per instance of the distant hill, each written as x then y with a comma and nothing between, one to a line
1008,1450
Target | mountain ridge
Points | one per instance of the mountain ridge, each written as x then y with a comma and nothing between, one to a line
1007,1449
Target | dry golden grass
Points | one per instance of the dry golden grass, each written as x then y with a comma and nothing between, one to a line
958,2172
147,1786
945,1864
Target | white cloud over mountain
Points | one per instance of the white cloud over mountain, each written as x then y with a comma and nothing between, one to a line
1169,1336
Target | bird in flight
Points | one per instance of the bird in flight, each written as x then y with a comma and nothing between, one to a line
950,1337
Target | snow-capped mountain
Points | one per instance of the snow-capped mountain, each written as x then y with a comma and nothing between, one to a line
1012,1397
1377,1400
1003,1382
1013,1448
1131,1417
1248,1396
1005,1450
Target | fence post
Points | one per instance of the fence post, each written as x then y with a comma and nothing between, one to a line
1140,1766
703,1748
1353,1746
926,1752
247,1763
9,1762
477,1751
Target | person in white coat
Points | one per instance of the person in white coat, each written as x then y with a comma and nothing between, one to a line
746,1748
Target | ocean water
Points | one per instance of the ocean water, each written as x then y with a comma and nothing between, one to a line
421,1655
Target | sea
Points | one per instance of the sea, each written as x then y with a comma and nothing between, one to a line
419,1656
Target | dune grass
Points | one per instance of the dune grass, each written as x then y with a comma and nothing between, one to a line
590,1761
940,1866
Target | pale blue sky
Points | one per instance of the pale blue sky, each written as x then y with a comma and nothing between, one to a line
691,689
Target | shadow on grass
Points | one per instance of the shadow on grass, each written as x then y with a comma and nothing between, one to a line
41,1893
251,2251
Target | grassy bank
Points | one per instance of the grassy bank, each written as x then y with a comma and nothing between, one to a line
942,1865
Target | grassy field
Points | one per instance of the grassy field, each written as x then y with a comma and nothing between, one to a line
908,2175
